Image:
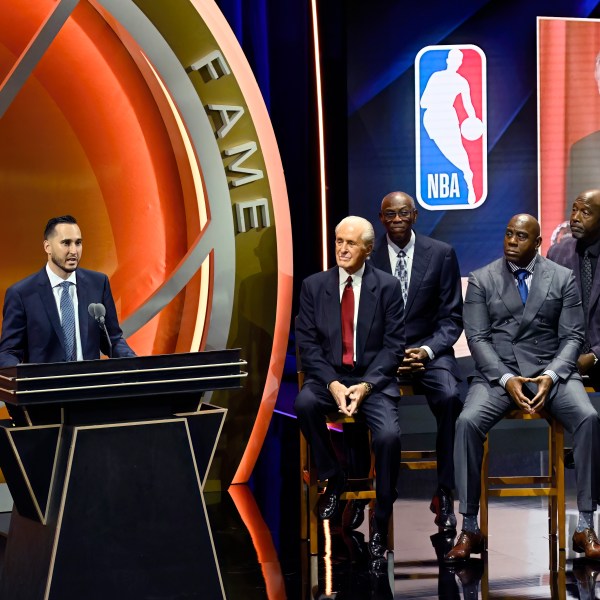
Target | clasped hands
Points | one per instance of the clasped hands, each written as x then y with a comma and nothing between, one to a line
414,361
514,387
348,399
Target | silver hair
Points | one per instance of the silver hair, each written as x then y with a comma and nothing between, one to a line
368,233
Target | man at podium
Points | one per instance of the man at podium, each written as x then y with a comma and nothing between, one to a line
62,312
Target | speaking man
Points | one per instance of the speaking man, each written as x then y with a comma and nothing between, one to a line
46,317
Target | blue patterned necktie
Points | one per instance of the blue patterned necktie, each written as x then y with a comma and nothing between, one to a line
521,275
401,273
67,312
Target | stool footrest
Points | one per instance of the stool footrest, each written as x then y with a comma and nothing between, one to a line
520,480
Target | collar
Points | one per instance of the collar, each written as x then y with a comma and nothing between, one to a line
356,277
593,248
513,268
55,280
409,246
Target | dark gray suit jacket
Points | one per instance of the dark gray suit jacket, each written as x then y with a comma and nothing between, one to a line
564,254
505,337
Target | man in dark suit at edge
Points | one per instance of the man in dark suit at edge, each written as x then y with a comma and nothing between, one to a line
430,280
580,254
45,316
350,335
524,326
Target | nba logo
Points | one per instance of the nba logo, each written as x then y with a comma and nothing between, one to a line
451,127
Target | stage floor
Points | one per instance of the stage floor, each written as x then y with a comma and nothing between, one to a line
256,534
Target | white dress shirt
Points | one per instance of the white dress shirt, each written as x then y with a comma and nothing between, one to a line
55,282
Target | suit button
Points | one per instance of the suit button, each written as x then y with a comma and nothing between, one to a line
514,343
539,361
535,342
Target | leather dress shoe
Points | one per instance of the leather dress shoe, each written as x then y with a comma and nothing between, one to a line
378,539
442,505
585,573
469,573
354,514
330,498
468,543
587,542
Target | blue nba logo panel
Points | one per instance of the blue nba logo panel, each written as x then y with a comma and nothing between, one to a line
450,127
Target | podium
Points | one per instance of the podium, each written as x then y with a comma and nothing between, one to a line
107,472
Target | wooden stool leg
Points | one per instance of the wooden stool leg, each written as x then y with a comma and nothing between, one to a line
304,533
560,485
483,501
553,499
313,500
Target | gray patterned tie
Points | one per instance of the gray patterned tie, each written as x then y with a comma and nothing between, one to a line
67,312
401,273
586,290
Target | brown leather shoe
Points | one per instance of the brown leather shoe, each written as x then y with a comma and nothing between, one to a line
586,541
467,543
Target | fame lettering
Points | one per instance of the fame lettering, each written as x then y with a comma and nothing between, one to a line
249,214
442,185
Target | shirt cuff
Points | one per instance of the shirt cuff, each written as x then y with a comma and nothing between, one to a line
429,352
505,378
552,375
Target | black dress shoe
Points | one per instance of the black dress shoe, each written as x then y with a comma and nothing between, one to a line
442,542
442,505
378,540
354,514
330,498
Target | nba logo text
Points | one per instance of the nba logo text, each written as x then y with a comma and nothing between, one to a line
451,127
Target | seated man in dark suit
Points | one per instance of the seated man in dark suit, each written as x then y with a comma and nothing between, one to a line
45,316
524,325
430,280
350,335
580,254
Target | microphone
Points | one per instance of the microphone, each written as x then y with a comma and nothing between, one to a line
98,311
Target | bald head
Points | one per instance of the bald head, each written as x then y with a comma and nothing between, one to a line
398,214
522,239
585,217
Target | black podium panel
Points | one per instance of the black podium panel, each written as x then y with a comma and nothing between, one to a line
112,544
108,497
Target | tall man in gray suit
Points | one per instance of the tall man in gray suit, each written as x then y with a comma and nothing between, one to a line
524,325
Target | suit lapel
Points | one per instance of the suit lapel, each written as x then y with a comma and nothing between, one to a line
507,289
421,260
334,318
538,292
381,256
83,302
49,303
366,309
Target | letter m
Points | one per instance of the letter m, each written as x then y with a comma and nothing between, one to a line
246,150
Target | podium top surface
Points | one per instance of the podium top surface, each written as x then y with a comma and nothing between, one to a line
162,374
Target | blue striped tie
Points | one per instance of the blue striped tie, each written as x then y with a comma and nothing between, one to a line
67,312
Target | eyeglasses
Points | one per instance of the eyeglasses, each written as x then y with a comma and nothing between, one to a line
390,215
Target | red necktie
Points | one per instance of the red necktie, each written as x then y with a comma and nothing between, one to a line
348,324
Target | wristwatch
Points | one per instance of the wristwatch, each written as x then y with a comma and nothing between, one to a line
369,387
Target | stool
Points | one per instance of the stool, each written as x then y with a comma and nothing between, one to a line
552,485
310,488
